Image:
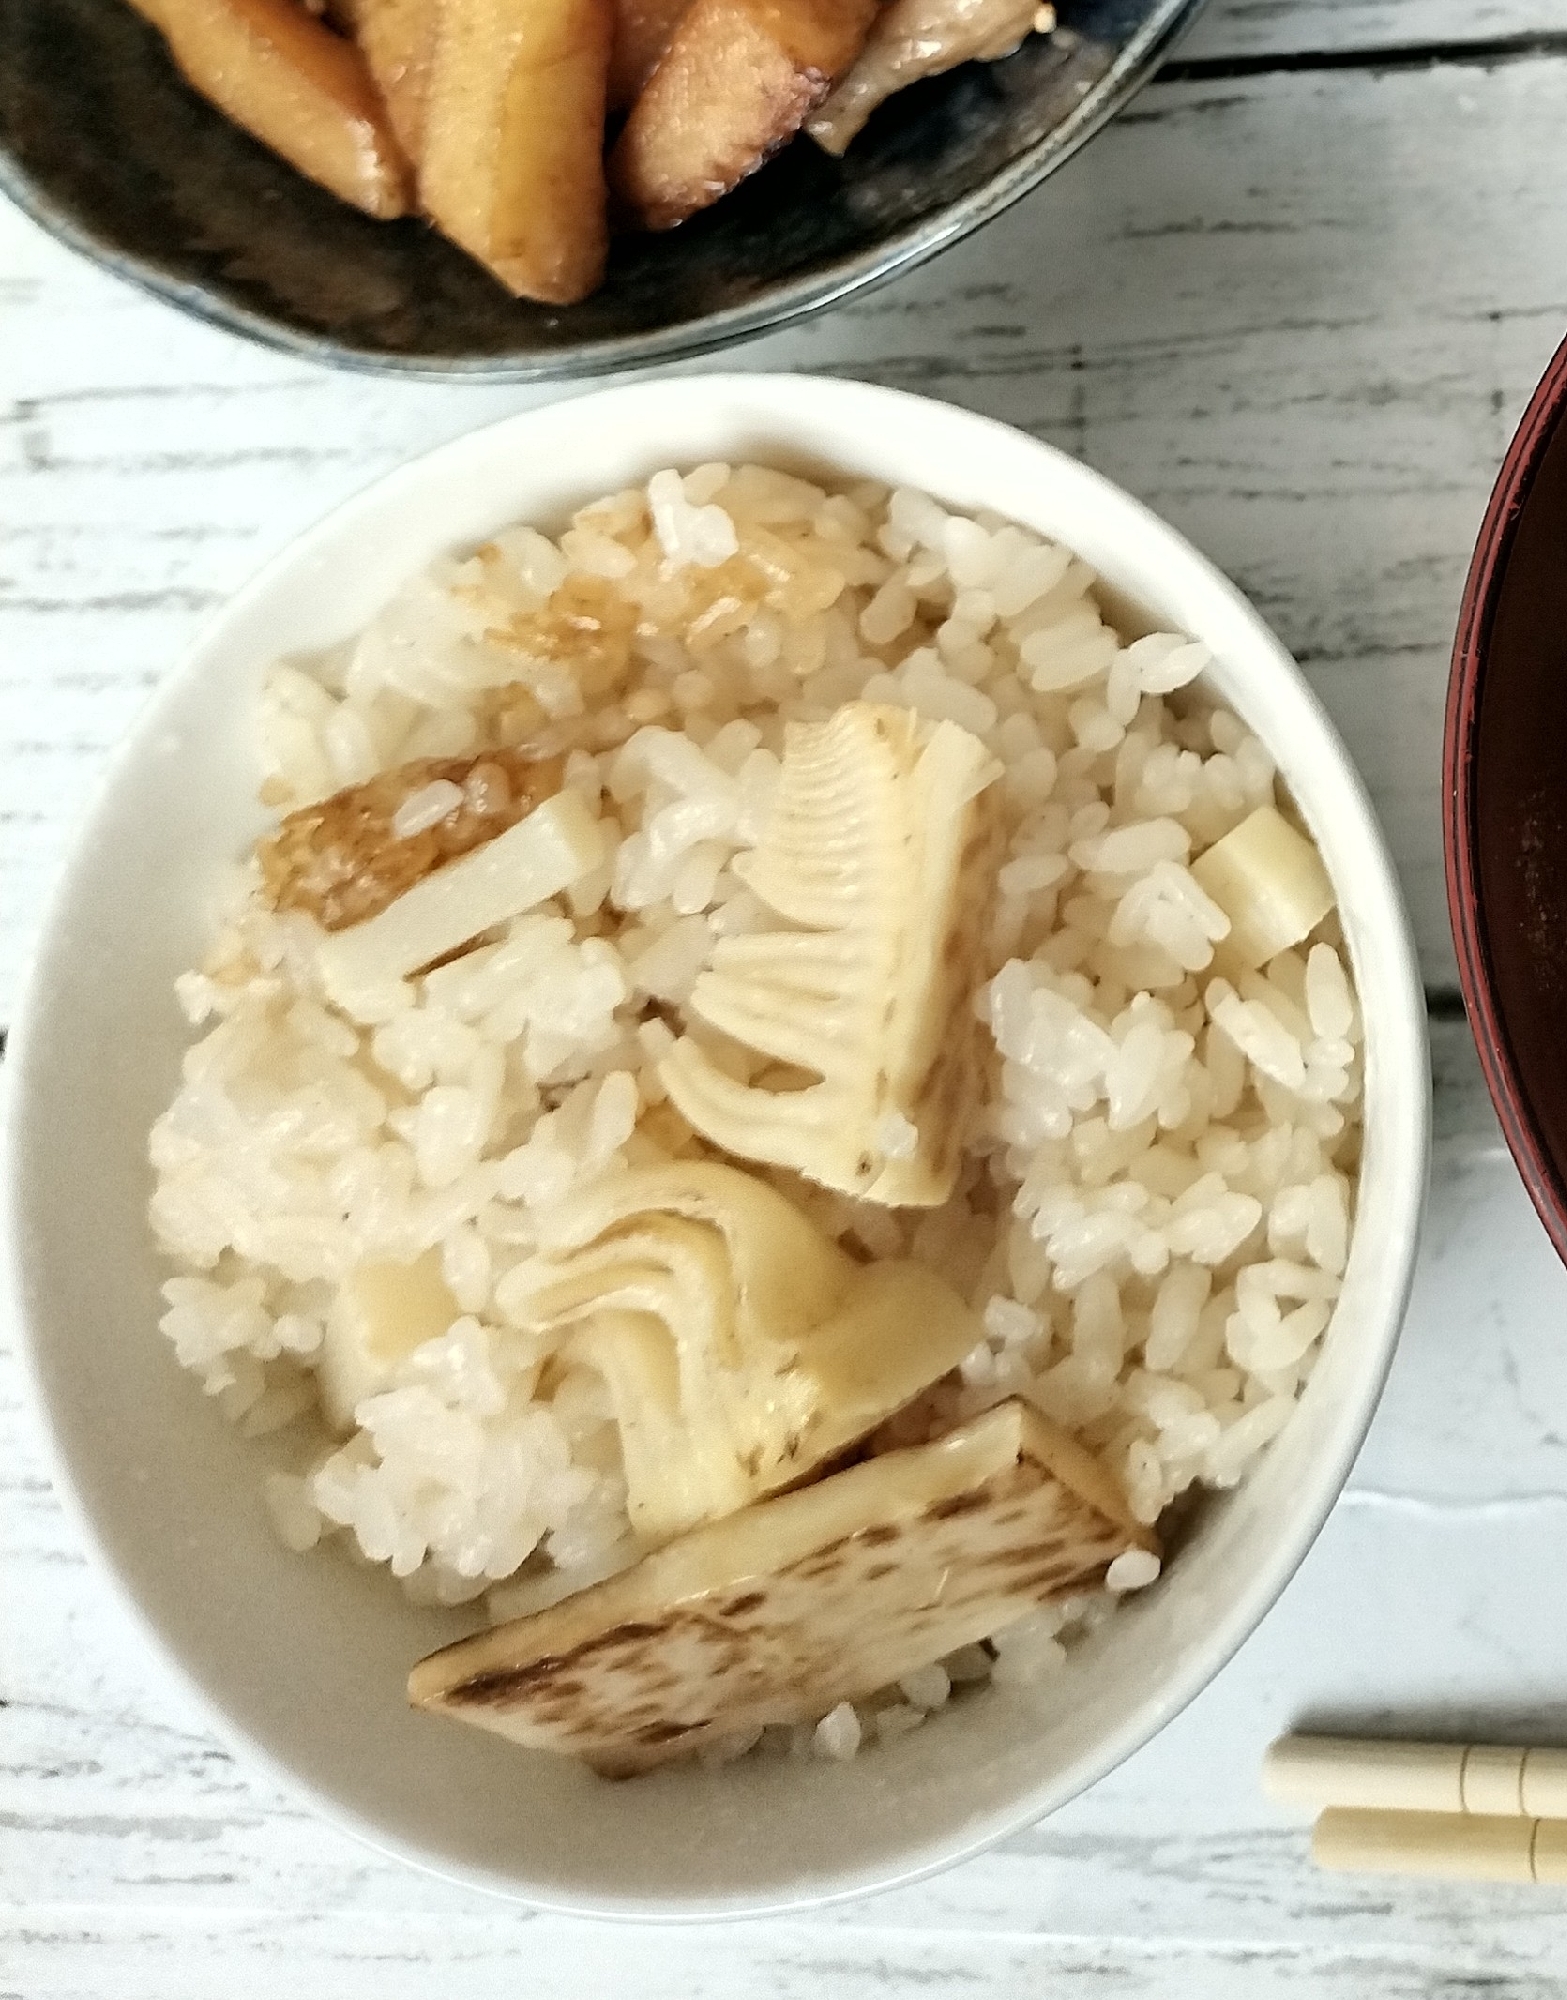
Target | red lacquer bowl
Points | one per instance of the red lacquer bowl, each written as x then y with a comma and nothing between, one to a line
1505,798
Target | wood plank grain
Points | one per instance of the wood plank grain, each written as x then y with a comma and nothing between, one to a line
333,1957
1284,31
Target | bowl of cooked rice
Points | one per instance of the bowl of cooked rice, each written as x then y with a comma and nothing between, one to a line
717,1146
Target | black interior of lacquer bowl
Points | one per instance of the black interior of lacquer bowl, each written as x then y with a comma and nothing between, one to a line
1520,819
102,142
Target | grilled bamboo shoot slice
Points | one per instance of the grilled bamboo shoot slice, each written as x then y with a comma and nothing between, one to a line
554,846
779,1612
341,860
882,848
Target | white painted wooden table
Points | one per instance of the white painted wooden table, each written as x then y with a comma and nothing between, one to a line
1295,299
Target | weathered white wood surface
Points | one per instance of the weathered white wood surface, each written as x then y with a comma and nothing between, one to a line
1385,31
1296,300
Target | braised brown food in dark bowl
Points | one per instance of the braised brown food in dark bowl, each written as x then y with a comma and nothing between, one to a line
104,143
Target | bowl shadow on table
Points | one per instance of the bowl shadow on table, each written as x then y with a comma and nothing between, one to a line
102,143
1428,1722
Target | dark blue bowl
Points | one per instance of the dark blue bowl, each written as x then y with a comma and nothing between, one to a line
103,144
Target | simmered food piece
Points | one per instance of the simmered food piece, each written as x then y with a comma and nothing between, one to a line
344,859
512,166
398,40
779,1612
557,844
882,848
915,38
272,67
739,78
1269,881
742,1348
642,33
382,1312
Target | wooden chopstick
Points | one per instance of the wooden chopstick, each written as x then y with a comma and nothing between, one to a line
1473,1847
1391,1776
1481,1812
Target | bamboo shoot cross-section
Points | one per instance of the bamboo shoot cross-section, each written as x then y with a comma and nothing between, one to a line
777,1613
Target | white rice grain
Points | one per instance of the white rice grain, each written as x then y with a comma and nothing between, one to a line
426,808
837,1735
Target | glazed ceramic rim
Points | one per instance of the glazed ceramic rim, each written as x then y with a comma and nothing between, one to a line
1405,1130
780,303
1483,591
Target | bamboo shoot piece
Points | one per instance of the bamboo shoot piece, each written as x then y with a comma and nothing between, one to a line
398,41
779,1612
881,850
296,86
1270,882
341,860
741,1347
382,1312
541,855
512,165
643,30
739,78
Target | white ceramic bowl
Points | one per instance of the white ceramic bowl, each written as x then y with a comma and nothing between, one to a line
302,1661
